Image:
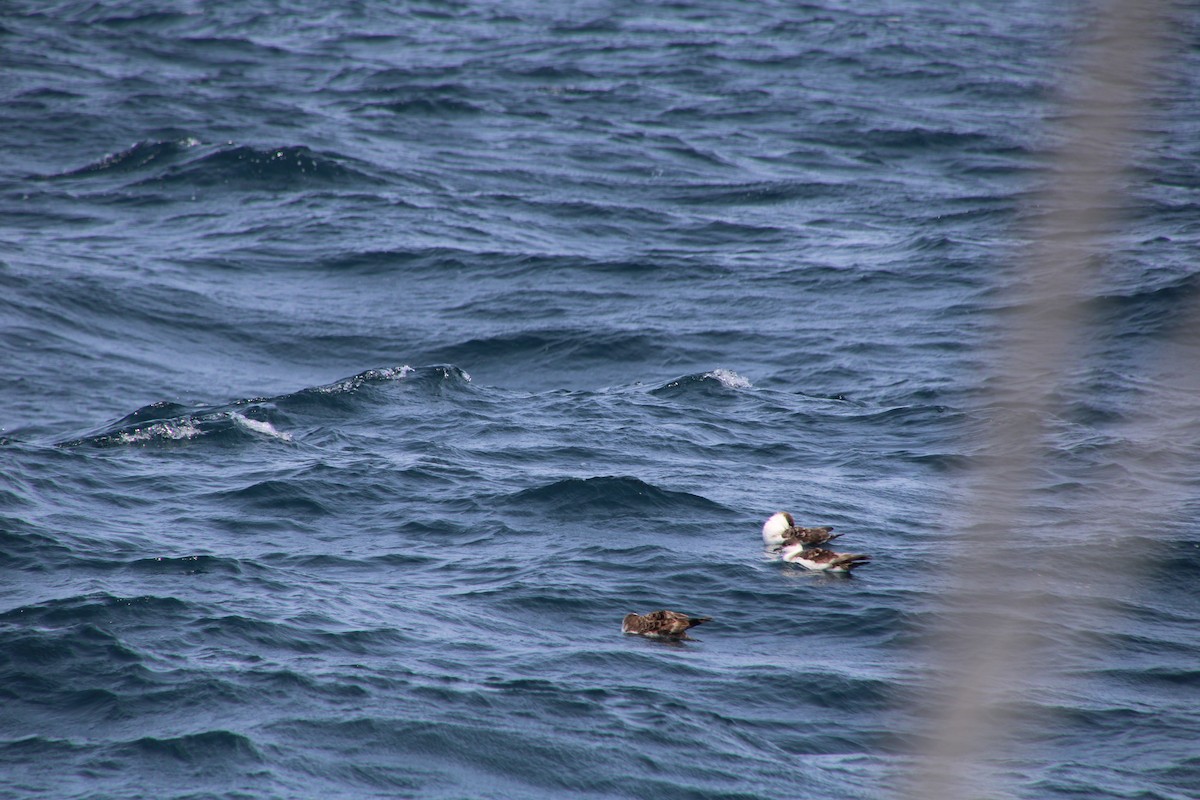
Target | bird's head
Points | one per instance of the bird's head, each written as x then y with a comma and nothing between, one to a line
776,524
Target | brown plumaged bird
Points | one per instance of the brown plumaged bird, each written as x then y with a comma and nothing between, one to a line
781,529
662,624
816,558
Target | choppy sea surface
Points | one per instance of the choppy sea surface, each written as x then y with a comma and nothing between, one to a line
361,365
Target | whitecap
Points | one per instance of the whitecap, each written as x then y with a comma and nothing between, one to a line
260,426
729,379
350,384
183,429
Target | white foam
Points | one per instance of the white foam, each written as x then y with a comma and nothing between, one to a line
350,384
389,373
258,426
729,379
184,429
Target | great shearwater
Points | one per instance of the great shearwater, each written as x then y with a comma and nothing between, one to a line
781,529
823,560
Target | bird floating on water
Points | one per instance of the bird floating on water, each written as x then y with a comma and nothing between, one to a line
816,558
661,624
781,529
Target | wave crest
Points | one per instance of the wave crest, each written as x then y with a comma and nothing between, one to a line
187,161
273,168
139,156
434,375
166,423
717,379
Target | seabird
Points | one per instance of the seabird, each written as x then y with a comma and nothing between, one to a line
781,529
663,624
823,560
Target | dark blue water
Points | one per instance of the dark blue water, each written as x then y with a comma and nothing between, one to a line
361,367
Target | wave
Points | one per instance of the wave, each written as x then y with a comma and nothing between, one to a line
290,499
330,563
99,607
22,548
443,748
469,746
189,162
1152,310
758,193
169,423
275,168
496,264
611,495
187,565
566,344
164,761
921,139
370,377
820,688
383,262
257,419
195,564
908,416
718,380
307,638
364,387
429,376
99,15
50,657
424,105
138,157
217,746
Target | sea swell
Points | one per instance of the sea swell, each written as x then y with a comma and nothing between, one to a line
189,163
365,365
618,495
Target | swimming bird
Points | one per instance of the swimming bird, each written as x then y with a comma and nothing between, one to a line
822,560
781,529
662,624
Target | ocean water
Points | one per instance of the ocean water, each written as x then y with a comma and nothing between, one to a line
361,367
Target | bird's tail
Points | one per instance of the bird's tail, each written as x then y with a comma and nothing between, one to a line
694,621
851,560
